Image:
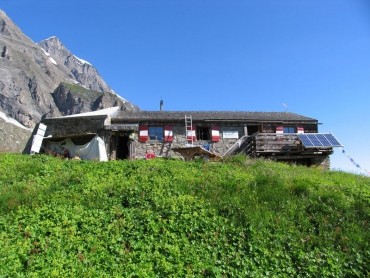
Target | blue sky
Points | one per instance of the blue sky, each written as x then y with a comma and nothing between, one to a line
237,55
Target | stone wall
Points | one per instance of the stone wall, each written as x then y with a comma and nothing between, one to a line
59,127
321,161
164,149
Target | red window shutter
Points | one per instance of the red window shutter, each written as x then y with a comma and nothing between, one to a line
190,134
215,134
300,129
143,133
279,129
168,133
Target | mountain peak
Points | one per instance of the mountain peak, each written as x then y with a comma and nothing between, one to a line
84,72
53,38
2,13
54,46
31,76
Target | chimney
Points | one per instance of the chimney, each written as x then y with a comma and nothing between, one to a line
161,105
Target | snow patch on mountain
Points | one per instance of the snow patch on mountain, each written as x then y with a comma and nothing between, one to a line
52,37
73,81
82,61
53,61
121,98
47,54
12,121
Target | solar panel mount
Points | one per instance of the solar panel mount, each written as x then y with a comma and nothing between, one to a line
314,140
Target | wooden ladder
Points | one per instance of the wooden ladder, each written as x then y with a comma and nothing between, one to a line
189,128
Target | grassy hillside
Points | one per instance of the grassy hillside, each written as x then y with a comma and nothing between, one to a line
241,218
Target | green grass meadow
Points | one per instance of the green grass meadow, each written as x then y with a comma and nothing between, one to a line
170,218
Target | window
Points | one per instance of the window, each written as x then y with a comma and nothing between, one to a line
156,133
203,133
289,129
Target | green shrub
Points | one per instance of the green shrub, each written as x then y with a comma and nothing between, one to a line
242,218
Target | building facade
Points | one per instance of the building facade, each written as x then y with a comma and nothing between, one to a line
143,134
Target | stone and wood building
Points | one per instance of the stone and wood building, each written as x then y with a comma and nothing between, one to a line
143,134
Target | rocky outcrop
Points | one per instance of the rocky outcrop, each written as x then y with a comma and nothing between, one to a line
26,76
13,139
82,71
33,79
75,99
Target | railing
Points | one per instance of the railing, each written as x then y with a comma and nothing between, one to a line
277,143
273,144
249,147
233,149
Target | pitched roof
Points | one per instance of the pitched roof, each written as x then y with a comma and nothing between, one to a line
211,116
102,112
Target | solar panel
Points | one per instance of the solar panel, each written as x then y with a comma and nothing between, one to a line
313,140
305,141
323,139
333,141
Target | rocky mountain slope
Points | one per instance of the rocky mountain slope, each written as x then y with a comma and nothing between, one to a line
13,137
44,80
82,71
